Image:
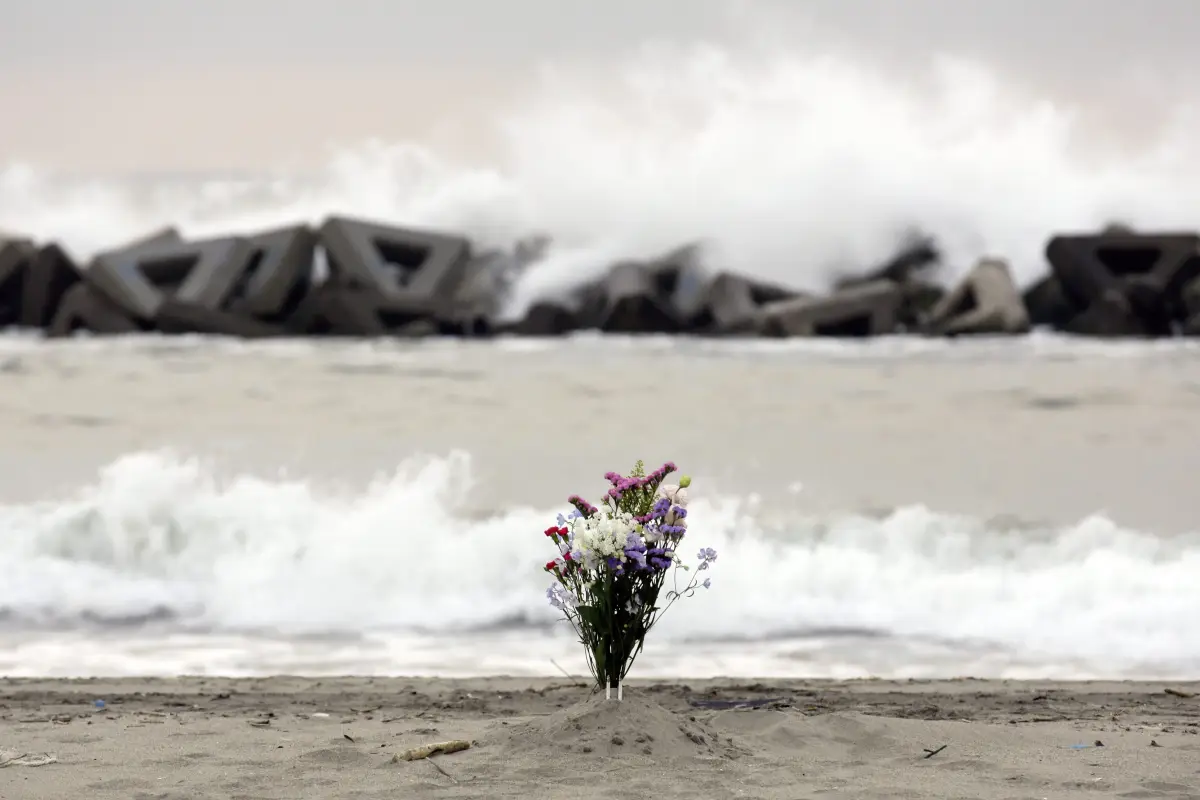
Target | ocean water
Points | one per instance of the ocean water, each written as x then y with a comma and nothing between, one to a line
894,508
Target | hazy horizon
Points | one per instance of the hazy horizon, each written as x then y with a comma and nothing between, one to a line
132,85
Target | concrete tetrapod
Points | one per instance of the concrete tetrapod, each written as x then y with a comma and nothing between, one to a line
985,301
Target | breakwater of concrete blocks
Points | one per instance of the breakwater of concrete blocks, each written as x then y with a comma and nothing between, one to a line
384,280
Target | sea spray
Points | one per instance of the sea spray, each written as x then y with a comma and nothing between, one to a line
794,165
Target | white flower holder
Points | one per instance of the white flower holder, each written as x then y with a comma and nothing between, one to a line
608,692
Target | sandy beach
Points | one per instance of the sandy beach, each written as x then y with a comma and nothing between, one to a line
289,737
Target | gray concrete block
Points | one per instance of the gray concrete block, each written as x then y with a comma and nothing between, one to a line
83,308
279,274
202,273
985,301
868,309
174,316
1148,269
336,310
633,302
51,273
15,257
414,268
732,304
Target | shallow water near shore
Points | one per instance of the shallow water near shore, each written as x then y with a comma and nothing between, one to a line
1018,508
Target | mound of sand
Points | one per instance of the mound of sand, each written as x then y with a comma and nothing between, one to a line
633,726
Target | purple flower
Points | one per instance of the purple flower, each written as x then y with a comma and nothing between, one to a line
707,583
659,558
616,565
635,550
672,531
657,512
560,598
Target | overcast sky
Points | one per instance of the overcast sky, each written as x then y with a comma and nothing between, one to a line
121,83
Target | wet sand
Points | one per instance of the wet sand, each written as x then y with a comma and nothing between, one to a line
287,737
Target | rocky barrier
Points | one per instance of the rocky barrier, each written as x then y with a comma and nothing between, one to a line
382,280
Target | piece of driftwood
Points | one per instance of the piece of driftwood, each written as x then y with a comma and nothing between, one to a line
753,703
425,751
931,753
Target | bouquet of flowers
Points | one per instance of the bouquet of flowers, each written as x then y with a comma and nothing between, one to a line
613,563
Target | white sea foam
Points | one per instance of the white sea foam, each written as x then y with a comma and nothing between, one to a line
162,538
789,164
1038,345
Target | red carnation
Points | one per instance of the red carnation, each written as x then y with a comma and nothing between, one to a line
567,557
550,565
551,531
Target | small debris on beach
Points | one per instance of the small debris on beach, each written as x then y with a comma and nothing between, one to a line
425,751
15,758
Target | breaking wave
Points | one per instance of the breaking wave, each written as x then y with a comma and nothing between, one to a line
164,541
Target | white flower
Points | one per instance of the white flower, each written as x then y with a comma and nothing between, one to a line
677,496
600,536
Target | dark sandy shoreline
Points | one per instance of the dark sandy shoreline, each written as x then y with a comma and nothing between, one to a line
295,737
